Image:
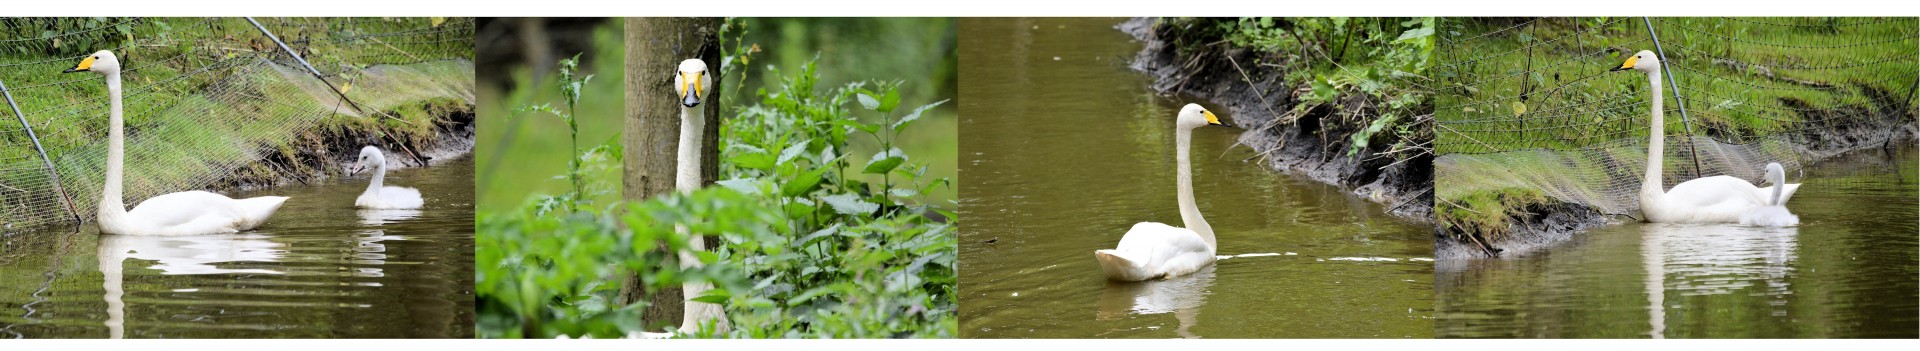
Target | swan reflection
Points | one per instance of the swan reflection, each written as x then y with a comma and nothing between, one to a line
1714,259
1183,296
176,255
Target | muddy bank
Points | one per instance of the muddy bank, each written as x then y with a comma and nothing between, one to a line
412,136
1314,144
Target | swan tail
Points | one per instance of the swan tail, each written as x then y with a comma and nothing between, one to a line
255,211
1121,266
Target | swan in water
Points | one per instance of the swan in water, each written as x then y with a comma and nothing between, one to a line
691,84
1154,250
1716,199
1774,214
378,196
181,213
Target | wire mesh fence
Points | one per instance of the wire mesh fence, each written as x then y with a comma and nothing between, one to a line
201,96
1529,103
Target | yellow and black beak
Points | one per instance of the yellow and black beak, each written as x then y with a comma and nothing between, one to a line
84,66
1631,60
690,89
1214,120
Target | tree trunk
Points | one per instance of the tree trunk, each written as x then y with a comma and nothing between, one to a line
655,47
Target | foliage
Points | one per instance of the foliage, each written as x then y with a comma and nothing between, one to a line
1369,72
808,247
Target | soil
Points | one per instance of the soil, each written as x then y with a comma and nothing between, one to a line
1314,145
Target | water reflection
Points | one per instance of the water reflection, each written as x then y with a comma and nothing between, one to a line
1714,260
176,255
1181,295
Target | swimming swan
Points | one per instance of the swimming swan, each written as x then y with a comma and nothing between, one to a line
691,84
1774,214
377,196
181,213
1153,250
1716,199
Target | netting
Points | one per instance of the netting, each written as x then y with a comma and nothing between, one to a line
201,96
1530,104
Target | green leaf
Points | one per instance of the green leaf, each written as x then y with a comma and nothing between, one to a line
889,101
850,204
915,115
803,183
715,296
885,161
753,160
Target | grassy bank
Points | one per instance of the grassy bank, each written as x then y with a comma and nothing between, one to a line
1532,124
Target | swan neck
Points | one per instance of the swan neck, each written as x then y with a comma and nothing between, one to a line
1779,187
379,173
692,124
1656,139
112,207
1189,213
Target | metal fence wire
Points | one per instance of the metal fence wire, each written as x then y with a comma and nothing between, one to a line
202,97
1529,102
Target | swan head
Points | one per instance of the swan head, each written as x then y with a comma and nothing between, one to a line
1193,116
1644,61
369,156
1775,173
101,62
692,82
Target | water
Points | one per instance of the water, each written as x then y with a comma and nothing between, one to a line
1064,148
319,269
1849,270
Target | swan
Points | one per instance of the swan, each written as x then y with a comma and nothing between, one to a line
1154,250
182,213
1774,214
382,197
691,84
1716,199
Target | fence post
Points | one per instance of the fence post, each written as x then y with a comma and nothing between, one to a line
51,173
1684,120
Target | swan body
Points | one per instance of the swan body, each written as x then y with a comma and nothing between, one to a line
181,213
1775,213
1716,199
378,196
1153,250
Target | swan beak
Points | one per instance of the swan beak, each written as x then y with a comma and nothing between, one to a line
85,65
691,101
1626,66
1214,120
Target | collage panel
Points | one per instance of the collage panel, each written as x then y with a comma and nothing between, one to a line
719,178
236,177
1293,187
1677,177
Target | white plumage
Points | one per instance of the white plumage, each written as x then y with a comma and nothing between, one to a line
1152,250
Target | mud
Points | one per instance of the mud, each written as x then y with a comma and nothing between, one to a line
325,151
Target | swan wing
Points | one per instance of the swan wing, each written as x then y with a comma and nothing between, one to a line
1152,250
179,208
1710,191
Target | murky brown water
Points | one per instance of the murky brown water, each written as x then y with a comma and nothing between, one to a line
320,268
1064,148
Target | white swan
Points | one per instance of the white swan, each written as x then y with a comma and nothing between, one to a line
181,213
1153,250
1774,214
1716,199
692,84
377,196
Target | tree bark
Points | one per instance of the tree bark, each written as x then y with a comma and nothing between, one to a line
655,47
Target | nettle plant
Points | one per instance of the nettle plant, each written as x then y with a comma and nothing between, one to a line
810,245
